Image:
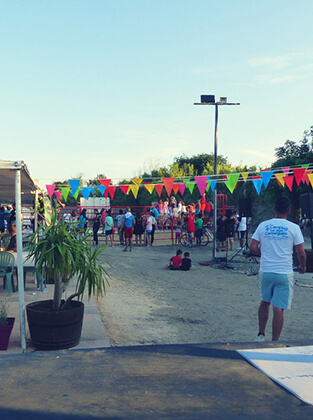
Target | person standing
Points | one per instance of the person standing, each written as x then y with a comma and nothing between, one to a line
127,224
242,229
109,226
96,226
119,219
273,241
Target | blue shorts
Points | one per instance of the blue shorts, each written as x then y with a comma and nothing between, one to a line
276,289
148,232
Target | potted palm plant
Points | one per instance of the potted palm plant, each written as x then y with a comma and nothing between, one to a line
6,325
59,255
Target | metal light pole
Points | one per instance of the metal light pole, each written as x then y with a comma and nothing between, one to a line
210,100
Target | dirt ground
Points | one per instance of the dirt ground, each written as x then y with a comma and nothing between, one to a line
147,303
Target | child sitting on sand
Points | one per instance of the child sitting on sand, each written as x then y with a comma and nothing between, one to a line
176,261
186,264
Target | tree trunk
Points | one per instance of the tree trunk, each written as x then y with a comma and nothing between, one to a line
58,290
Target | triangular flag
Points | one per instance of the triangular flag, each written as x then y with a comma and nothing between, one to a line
106,193
101,188
280,179
213,185
50,189
58,194
306,165
134,190
111,191
190,186
159,188
257,184
201,183
208,186
298,173
74,183
232,181
137,181
266,177
310,176
286,169
245,176
65,191
85,192
182,187
289,181
76,194
92,190
105,182
149,187
306,178
176,188
168,184
124,188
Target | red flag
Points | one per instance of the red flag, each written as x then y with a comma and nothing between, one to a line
159,188
168,184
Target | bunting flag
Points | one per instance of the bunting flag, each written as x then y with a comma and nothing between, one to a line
105,182
58,194
176,188
50,189
213,185
106,193
266,177
190,186
111,191
159,188
298,173
310,176
289,181
286,169
124,188
137,181
257,182
101,188
65,191
182,187
306,165
306,177
245,176
134,190
76,194
208,186
168,184
74,183
201,183
232,181
149,187
280,179
92,191
85,192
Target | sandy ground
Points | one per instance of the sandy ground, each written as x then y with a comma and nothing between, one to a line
147,303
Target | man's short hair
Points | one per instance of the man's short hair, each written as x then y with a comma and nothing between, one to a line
128,210
282,205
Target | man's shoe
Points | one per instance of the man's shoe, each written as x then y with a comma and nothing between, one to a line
259,338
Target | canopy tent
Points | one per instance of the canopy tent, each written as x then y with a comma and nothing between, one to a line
17,185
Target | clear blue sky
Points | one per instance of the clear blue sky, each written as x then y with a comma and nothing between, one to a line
108,87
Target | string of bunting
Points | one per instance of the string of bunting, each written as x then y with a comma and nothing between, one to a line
284,176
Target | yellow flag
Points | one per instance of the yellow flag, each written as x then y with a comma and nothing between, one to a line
149,187
280,178
311,179
137,181
245,176
134,189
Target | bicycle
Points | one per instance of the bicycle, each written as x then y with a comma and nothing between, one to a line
204,240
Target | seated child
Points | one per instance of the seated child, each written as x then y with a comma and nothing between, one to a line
176,261
186,264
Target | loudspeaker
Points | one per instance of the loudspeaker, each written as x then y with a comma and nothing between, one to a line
245,207
306,204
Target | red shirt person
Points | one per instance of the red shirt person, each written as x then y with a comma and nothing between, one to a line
176,260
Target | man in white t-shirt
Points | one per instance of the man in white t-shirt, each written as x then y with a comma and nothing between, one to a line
273,241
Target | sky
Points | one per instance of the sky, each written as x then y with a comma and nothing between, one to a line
108,86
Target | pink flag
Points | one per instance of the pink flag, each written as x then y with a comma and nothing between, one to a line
202,183
50,189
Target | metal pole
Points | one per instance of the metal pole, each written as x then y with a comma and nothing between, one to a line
215,173
20,274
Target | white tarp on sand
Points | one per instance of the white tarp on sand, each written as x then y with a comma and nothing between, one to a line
291,367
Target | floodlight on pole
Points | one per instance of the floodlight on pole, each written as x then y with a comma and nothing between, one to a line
210,100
